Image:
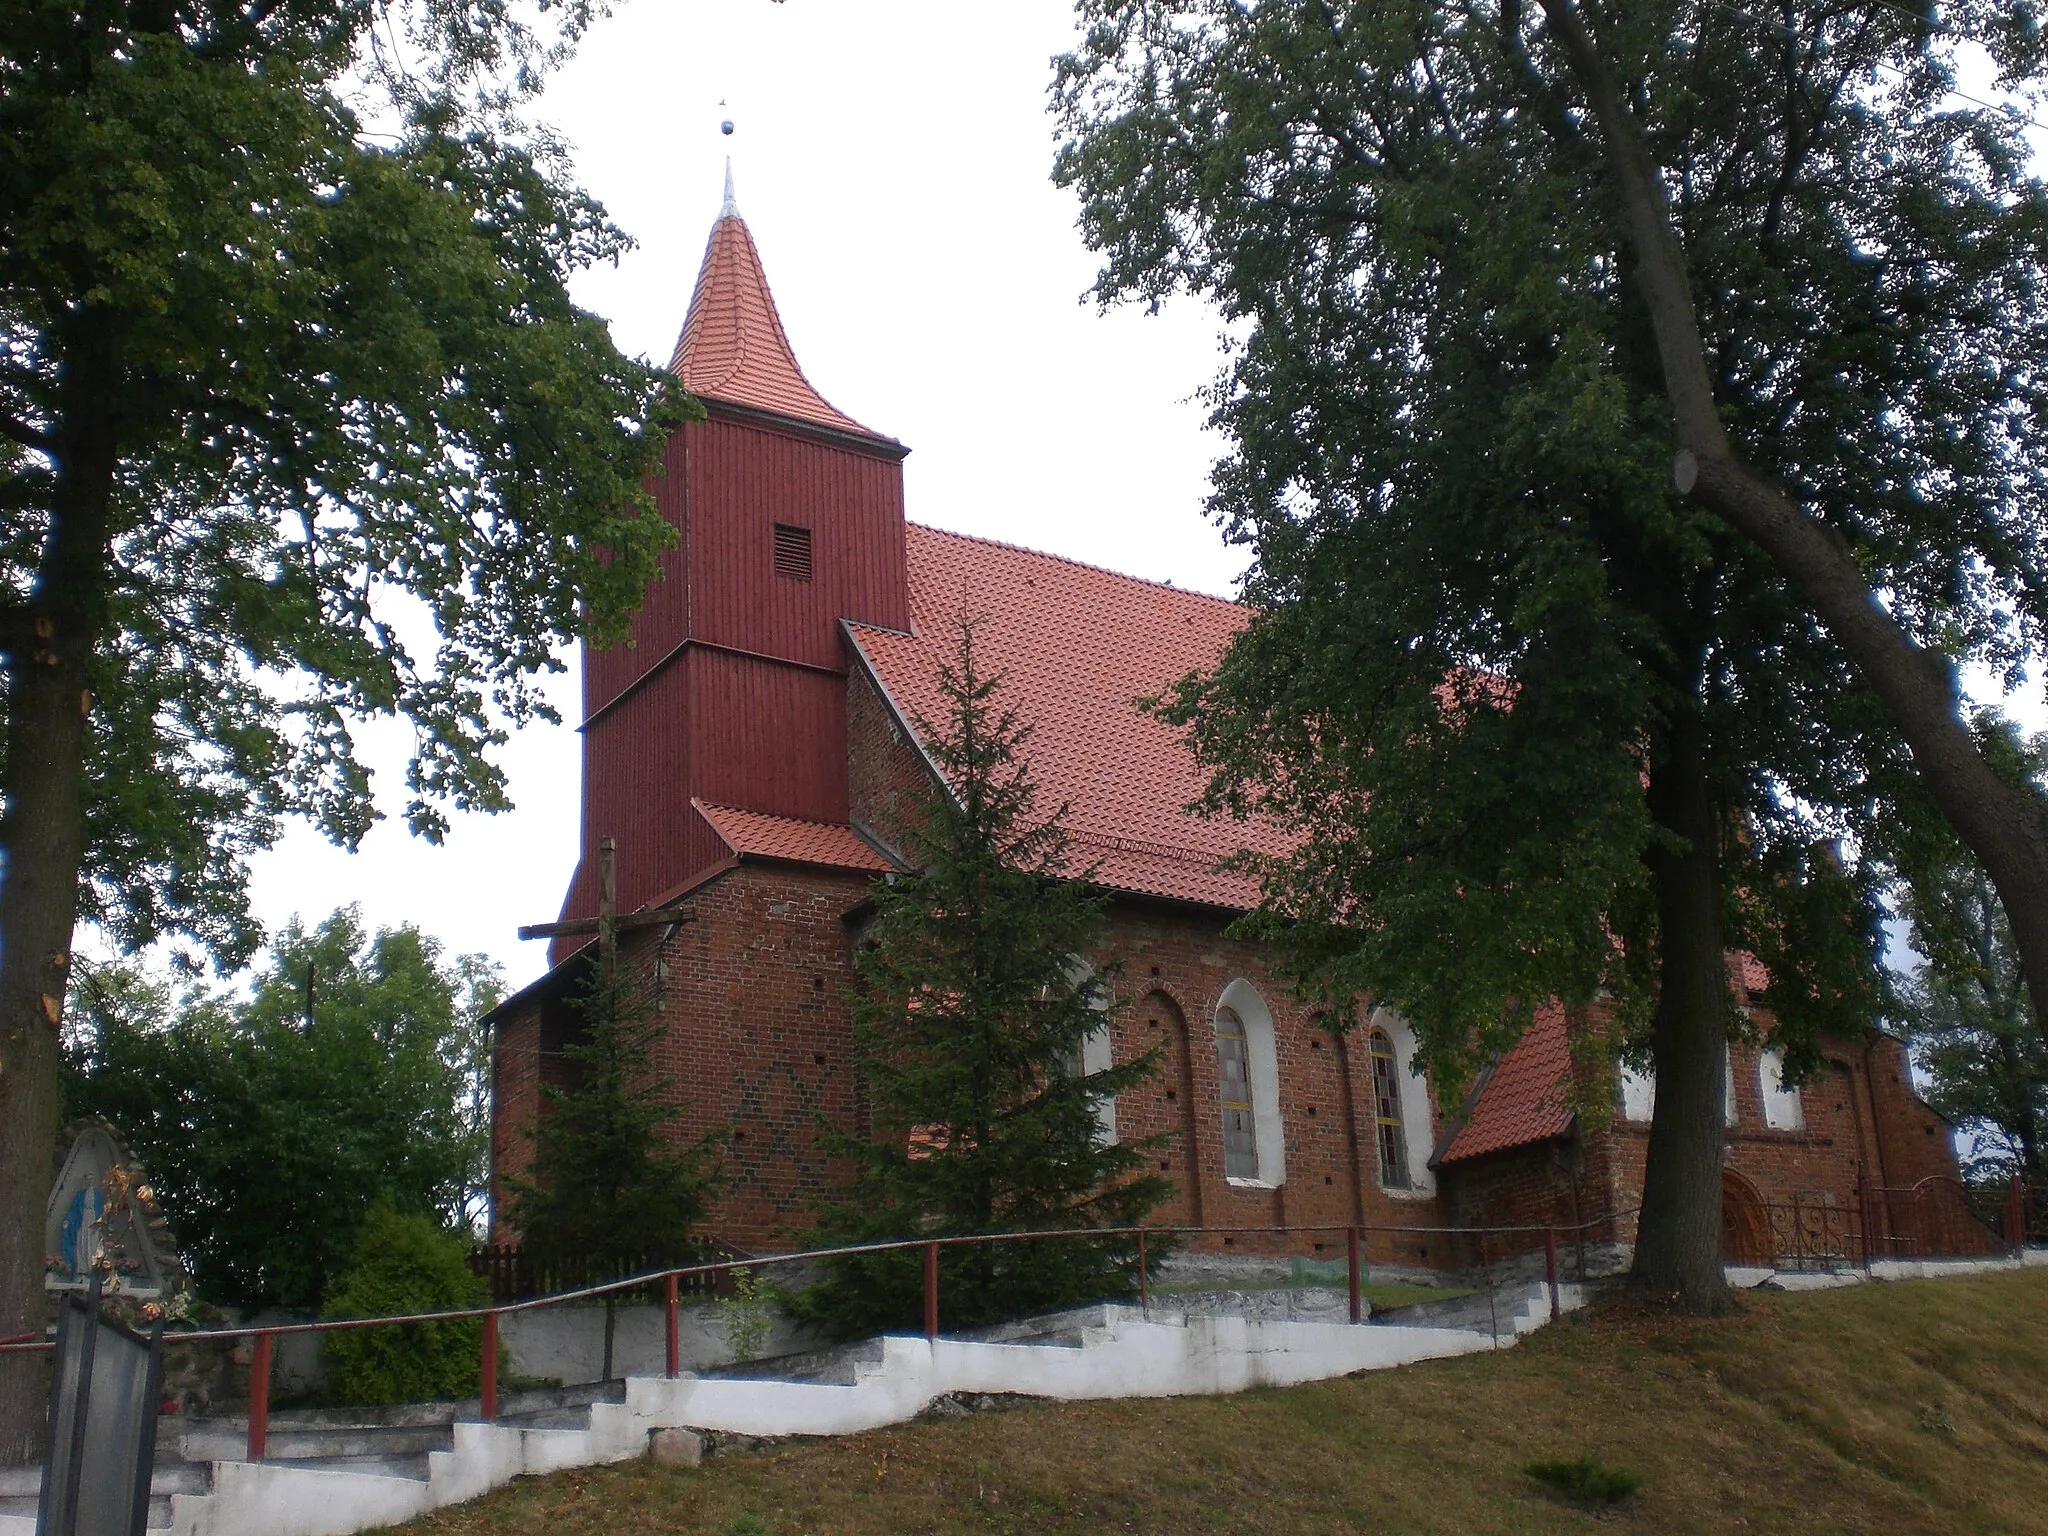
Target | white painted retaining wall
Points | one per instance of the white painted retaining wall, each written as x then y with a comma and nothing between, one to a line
566,1343
1124,1354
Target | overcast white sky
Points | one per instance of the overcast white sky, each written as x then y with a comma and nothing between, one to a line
892,160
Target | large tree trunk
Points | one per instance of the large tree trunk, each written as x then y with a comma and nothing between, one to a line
42,836
2006,828
1678,1235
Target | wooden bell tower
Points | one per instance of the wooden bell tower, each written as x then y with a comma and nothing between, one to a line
733,691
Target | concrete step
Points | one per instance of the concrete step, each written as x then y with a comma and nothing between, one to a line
550,1418
836,1365
215,1440
170,1475
22,1509
21,1488
443,1411
409,1468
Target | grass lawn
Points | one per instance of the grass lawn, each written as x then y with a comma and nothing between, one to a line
1906,1408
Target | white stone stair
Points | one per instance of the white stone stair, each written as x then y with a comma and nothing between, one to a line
329,1473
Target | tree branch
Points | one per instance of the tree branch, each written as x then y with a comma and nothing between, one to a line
2007,828
26,435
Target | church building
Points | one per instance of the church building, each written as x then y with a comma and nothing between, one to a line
752,756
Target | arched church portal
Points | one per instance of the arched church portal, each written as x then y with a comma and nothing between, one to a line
1745,1224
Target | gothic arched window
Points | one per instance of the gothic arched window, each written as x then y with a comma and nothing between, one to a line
1234,1087
1386,1112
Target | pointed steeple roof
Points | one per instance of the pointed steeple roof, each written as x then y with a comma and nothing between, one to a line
733,347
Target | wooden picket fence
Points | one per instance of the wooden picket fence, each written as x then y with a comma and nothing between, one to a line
516,1275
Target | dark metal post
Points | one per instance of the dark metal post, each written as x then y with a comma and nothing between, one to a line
931,1291
259,1397
673,1325
2016,1216
489,1391
1864,1215
1351,1278
1550,1269
1144,1281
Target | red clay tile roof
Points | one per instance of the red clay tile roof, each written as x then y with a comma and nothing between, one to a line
1525,1098
1750,973
733,347
755,834
1076,647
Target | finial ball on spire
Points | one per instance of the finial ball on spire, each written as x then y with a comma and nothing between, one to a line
726,126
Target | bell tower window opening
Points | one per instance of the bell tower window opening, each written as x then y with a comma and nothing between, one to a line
1234,1087
1386,1112
792,552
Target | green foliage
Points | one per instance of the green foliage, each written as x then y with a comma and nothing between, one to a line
405,1265
272,1130
1967,1010
746,1525
1480,612
745,1314
304,427
607,1186
969,1027
1585,1480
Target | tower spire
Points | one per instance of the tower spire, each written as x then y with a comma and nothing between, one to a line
733,347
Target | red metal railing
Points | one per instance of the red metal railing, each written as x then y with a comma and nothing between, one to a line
676,1281
1935,1219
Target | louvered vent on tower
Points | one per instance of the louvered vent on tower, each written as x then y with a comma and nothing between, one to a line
792,552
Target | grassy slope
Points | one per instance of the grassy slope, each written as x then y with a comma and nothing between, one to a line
1913,1407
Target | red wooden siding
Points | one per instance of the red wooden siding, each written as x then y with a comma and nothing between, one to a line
851,502
766,737
752,713
728,483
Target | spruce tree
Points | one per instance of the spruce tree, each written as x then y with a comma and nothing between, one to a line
969,1021
608,1189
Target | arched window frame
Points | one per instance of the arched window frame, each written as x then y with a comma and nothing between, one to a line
1262,1066
1638,1092
1390,1131
1097,1052
1418,1135
1784,1109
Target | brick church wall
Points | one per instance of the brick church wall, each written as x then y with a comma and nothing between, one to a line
1177,963
758,1043
758,1040
1861,1117
887,778
1918,1143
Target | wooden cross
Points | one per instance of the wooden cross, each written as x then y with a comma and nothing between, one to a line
607,923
